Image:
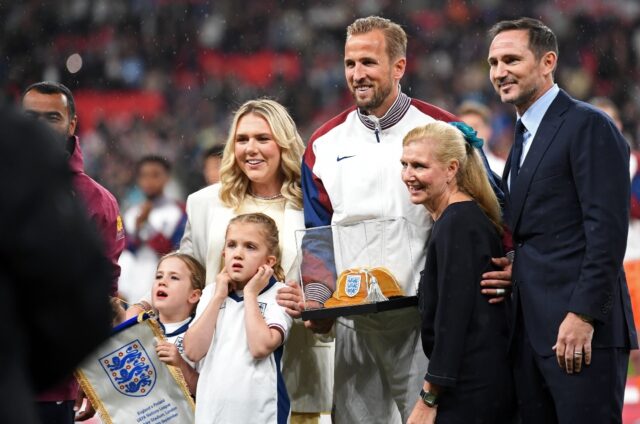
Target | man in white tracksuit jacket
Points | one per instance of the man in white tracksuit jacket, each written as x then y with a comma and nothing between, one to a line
351,172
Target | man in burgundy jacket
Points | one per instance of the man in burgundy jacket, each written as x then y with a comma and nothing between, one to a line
54,104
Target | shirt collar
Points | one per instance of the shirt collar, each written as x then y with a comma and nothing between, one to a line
175,328
238,298
532,117
395,113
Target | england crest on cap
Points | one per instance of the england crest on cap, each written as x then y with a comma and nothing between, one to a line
353,285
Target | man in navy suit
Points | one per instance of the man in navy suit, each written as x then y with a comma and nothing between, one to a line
568,208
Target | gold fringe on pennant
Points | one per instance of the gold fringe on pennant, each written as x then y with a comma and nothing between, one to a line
93,397
141,316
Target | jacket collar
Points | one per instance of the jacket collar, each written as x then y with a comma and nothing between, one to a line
393,115
76,162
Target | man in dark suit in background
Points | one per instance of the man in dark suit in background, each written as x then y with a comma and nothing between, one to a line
568,208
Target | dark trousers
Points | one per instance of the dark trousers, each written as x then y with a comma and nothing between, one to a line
56,412
547,394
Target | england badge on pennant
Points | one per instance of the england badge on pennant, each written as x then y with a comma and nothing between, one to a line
130,370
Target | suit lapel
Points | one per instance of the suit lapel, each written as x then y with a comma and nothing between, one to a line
507,193
545,135
507,168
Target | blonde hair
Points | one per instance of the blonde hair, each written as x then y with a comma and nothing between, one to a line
394,35
270,235
234,184
195,268
449,144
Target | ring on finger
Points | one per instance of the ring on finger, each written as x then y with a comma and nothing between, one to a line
500,292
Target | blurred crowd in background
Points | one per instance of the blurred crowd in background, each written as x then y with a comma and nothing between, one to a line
163,76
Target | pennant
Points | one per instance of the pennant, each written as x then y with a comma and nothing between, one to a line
127,383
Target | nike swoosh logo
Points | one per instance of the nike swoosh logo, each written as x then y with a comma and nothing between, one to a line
338,159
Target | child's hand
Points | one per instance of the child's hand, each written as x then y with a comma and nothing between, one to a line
168,353
258,281
222,285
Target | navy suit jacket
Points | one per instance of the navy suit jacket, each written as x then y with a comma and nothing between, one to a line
569,214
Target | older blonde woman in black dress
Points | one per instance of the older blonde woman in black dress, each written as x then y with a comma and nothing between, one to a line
465,337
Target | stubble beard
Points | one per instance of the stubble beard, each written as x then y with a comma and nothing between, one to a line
523,99
379,96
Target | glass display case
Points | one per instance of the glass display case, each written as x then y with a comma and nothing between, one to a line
362,267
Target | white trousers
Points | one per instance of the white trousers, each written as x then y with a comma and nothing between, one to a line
379,367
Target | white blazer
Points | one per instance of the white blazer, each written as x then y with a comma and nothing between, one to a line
209,217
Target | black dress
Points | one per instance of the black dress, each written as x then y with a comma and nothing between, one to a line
463,335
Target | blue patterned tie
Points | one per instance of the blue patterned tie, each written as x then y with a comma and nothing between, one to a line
516,152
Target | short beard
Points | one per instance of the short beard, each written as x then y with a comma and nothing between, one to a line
377,100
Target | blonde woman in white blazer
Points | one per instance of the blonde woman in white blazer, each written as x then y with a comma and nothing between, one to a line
260,172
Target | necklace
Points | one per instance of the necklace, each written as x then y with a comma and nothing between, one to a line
275,196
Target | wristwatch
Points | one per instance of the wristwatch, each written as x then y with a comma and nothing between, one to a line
429,399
